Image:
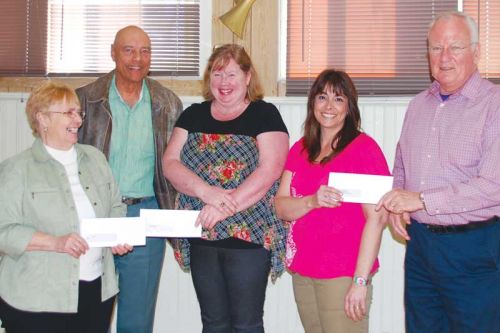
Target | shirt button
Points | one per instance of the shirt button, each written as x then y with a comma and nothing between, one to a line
428,155
441,105
422,182
95,203
434,129
437,211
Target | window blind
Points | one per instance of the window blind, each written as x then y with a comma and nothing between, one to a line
23,37
81,33
487,15
380,43
74,37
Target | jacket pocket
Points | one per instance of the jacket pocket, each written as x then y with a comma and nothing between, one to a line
48,209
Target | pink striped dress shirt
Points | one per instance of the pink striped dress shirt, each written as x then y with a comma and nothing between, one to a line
450,150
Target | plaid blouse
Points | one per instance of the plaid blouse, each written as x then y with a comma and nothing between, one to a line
226,159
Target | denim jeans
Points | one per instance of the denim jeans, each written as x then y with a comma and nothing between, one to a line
452,281
138,279
231,287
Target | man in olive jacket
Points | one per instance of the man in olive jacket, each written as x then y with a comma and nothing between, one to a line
130,118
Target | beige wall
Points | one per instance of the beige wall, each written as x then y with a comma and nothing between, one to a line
260,40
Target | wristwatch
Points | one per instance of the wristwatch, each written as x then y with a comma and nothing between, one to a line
360,281
422,199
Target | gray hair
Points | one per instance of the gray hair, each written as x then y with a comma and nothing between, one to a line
473,30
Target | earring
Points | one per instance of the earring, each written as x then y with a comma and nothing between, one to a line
45,129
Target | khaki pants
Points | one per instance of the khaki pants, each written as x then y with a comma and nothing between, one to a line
321,305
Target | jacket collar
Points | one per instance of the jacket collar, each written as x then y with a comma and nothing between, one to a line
99,90
42,155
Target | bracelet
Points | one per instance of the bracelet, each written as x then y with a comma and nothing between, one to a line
360,281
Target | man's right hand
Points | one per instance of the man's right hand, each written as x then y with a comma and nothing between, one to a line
399,222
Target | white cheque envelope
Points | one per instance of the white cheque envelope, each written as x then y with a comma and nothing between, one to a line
360,188
104,232
171,223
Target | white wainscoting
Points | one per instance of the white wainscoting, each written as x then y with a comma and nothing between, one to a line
177,307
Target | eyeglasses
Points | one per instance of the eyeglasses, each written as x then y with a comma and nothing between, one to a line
69,114
454,49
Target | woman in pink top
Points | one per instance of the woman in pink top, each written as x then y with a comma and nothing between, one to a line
332,245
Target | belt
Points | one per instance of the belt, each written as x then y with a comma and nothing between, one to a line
453,229
134,201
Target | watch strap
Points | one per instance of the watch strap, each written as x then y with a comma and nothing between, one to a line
360,281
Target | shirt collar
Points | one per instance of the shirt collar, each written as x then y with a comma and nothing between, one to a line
468,90
115,89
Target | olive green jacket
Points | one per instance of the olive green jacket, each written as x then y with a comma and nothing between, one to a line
35,195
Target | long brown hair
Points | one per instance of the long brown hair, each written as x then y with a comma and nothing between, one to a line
341,84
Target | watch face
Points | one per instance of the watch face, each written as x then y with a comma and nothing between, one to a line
360,281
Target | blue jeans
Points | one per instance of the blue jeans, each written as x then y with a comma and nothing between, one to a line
138,278
452,281
231,287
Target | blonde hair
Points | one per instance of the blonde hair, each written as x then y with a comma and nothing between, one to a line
43,97
220,58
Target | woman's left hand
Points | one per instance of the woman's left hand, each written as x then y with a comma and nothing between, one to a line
221,199
209,216
121,249
355,302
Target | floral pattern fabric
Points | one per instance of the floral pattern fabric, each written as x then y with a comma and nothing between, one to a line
226,160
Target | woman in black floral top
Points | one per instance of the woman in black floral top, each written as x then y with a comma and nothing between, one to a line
225,158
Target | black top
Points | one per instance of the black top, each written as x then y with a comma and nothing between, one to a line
259,117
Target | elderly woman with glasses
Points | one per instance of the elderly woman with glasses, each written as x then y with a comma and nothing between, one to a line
50,280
